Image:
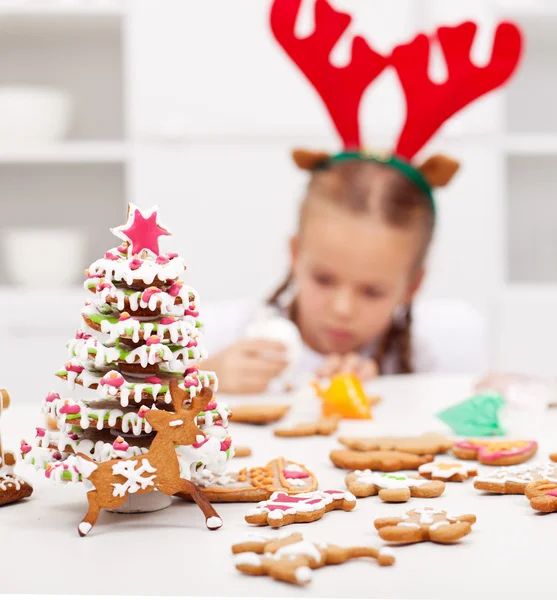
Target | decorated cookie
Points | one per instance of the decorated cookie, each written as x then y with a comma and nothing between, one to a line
12,486
424,524
258,414
392,487
513,480
428,443
258,483
447,470
508,452
323,426
542,495
291,559
377,460
283,509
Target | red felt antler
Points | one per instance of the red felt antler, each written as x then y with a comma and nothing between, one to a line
341,88
428,104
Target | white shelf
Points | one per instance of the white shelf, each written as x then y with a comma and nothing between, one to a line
530,144
65,152
45,8
529,10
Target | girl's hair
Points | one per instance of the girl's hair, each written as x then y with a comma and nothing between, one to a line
376,189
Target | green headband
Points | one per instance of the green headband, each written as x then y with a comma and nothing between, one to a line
404,167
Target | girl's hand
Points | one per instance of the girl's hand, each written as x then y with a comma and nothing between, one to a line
353,364
248,366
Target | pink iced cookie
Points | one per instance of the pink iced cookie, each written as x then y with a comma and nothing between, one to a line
283,509
505,452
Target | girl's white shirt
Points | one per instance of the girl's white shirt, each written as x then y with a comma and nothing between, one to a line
448,335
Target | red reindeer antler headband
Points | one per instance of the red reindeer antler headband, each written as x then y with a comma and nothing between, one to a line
428,104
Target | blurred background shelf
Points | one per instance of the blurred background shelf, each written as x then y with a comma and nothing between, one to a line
61,8
65,153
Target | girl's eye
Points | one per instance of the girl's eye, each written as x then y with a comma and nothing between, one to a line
372,292
322,279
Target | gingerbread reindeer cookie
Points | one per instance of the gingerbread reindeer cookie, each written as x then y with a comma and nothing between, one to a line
392,487
501,453
513,480
257,483
424,524
12,486
282,509
292,560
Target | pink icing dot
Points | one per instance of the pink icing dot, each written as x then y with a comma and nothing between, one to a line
120,444
40,431
124,316
153,340
48,472
123,248
225,445
191,313
103,286
161,260
73,436
141,412
94,275
167,320
51,396
199,444
211,406
191,370
81,335
74,368
218,423
56,455
110,256
113,379
135,264
153,379
295,474
172,255
174,289
191,383
146,296
69,409
191,344
25,447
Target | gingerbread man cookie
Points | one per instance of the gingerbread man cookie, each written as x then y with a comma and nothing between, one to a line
323,426
424,524
392,487
428,443
447,471
258,414
257,483
378,460
542,495
501,453
291,559
513,480
282,509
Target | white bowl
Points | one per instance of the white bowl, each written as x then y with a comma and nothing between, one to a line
46,258
34,114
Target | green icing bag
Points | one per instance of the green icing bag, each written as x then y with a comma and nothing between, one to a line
476,416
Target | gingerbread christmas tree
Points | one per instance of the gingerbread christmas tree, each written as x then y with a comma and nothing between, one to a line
140,329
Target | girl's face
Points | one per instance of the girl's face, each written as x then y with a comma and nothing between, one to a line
351,272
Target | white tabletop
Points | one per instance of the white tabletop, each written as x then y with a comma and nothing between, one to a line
172,553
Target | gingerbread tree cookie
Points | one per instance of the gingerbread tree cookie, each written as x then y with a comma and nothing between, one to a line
447,470
292,560
283,509
424,524
12,486
392,487
140,329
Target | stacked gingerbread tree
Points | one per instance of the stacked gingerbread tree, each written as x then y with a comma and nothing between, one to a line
140,328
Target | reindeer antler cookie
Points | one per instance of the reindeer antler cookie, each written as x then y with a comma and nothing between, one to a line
424,524
291,559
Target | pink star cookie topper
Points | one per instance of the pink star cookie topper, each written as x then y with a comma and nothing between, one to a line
142,229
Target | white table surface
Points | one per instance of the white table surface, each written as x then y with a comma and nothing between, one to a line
172,553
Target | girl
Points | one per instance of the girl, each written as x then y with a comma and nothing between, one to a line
356,264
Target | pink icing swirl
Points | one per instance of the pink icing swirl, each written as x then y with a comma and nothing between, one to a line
135,264
74,368
225,445
148,293
25,447
110,256
69,409
199,444
161,260
167,320
153,379
113,379
120,444
174,289
51,396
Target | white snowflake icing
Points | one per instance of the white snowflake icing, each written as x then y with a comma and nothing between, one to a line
134,477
